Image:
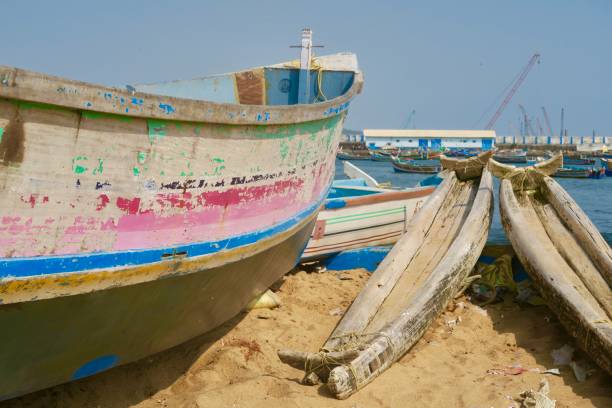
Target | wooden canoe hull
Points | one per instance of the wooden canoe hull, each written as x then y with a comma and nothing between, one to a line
409,289
567,258
66,338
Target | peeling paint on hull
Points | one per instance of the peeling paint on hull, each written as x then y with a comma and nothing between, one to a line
131,222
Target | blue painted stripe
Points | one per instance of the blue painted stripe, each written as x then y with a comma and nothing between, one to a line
95,366
45,265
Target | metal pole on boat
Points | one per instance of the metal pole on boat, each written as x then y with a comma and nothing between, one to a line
305,56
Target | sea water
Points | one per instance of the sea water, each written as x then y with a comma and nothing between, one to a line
594,196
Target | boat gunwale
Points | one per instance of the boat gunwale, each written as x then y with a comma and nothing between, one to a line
382,197
35,87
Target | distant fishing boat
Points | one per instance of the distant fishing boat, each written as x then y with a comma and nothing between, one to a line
607,166
511,156
381,155
360,216
134,220
353,155
578,172
578,161
415,166
566,256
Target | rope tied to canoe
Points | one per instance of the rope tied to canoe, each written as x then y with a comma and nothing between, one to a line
522,179
325,361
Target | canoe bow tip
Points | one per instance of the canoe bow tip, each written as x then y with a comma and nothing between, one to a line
340,383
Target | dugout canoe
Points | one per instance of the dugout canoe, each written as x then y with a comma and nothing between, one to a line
563,252
135,219
408,290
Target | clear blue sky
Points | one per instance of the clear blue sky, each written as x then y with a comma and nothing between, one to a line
448,60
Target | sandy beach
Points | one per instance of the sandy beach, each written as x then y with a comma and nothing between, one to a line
236,365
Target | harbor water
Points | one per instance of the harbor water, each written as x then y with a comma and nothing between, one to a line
594,196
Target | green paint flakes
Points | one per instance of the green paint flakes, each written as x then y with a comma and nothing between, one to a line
284,149
157,130
1,133
162,173
79,168
218,160
136,171
99,168
141,157
102,115
290,131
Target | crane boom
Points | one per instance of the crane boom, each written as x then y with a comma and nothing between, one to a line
550,132
535,58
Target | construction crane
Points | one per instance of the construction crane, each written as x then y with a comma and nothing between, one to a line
535,58
541,131
549,128
528,128
411,120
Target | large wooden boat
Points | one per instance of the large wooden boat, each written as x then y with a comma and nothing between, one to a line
415,166
409,289
133,220
562,251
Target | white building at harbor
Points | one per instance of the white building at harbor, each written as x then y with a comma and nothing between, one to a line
430,139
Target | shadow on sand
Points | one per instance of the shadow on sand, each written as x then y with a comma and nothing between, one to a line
129,384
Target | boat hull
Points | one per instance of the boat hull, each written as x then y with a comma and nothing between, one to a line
358,222
62,339
566,257
131,222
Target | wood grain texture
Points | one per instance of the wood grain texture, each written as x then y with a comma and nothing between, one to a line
412,285
540,236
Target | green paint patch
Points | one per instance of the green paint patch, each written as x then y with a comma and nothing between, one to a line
218,160
136,171
79,168
1,133
284,149
157,130
35,105
99,168
103,115
290,131
141,157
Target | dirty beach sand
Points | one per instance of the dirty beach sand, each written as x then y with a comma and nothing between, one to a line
236,365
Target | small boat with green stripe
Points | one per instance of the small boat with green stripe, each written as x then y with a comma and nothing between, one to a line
357,216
